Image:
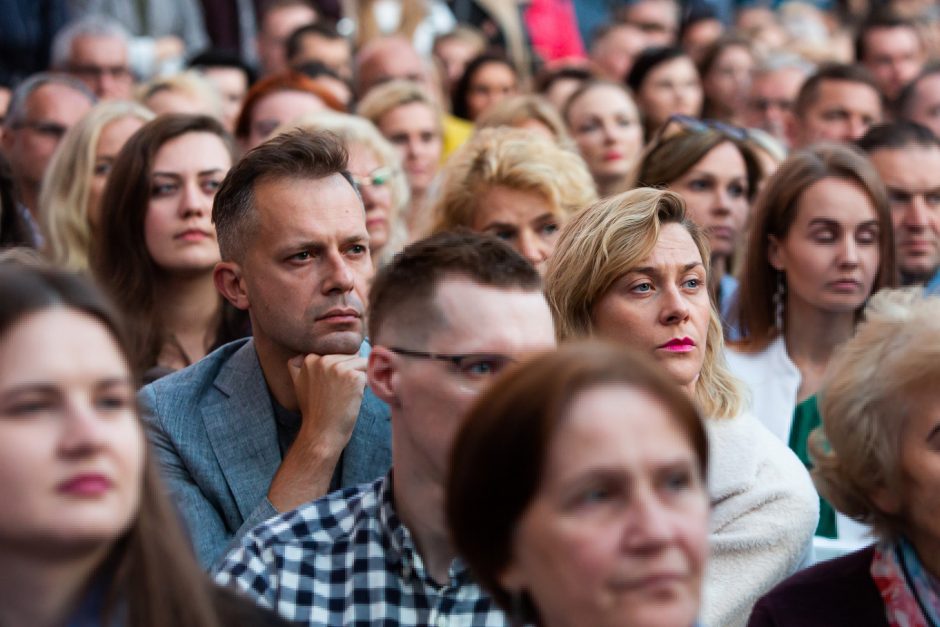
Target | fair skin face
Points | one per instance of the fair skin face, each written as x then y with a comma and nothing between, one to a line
388,59
50,111
700,35
335,54
416,134
427,398
377,198
894,56
728,81
276,26
303,276
454,54
912,177
671,87
606,126
113,137
101,63
662,307
71,458
830,257
279,108
658,19
843,111
560,91
523,219
771,99
925,108
491,83
614,54
232,85
617,533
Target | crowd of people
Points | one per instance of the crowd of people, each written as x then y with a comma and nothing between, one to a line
470,312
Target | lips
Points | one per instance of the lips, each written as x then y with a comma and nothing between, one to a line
613,155
192,235
341,316
845,285
679,345
86,485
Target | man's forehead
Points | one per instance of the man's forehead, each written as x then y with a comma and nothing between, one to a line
908,162
323,201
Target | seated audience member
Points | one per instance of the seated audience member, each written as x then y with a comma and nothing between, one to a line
775,83
42,109
717,173
187,92
605,124
265,424
634,269
94,49
515,185
454,50
231,78
277,100
154,246
614,48
277,19
557,85
529,112
446,314
907,158
820,244
577,485
726,68
331,81
70,197
920,100
837,103
410,119
487,79
701,28
89,536
665,82
657,19
889,46
320,42
875,458
377,174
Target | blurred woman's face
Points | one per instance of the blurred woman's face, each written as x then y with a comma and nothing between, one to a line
662,307
729,79
277,108
113,136
71,447
523,219
178,229
605,124
373,179
415,132
491,83
671,87
617,533
715,193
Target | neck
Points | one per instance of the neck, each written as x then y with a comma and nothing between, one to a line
273,360
812,334
419,502
189,309
60,584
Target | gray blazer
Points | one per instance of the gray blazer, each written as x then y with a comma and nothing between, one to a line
213,431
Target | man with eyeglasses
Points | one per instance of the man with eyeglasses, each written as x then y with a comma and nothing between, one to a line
42,108
907,157
95,51
446,315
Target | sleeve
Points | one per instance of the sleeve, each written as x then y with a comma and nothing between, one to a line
249,569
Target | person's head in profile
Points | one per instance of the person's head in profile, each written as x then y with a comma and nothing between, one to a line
577,489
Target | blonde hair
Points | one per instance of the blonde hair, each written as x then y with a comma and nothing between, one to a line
604,242
875,382
63,198
516,159
189,83
517,110
388,96
353,129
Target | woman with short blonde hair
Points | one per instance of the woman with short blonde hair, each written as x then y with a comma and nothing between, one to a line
528,112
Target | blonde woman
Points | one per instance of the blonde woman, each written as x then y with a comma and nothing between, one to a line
409,118
529,112
515,185
377,174
634,269
72,187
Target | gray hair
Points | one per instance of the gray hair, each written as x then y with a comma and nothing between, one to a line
776,61
95,25
17,109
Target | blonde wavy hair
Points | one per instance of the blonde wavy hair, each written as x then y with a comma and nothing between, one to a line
607,240
517,110
63,198
388,96
875,382
516,159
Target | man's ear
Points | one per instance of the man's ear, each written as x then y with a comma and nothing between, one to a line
773,253
230,284
383,375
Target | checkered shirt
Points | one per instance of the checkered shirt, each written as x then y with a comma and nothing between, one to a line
346,559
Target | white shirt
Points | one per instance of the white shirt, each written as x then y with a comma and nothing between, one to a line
772,381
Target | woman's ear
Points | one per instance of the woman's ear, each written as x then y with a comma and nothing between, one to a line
888,501
774,256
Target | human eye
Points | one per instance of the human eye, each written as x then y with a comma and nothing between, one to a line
835,115
114,399
102,168
357,250
867,235
482,365
642,288
549,228
427,137
692,283
624,121
898,197
588,127
737,190
699,185
932,198
301,256
677,480
163,189
211,186
824,235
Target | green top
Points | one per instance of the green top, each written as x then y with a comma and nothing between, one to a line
805,420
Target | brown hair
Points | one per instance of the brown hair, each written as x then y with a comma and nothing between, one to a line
837,72
120,259
156,579
290,80
499,456
774,214
404,289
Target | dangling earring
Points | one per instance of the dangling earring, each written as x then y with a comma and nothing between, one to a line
779,297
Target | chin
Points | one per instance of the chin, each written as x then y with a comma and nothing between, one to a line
337,343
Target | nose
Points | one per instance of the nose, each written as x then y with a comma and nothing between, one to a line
651,525
533,248
339,277
916,215
857,126
193,201
675,307
848,253
83,429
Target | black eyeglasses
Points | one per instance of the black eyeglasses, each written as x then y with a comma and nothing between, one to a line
696,125
469,364
49,129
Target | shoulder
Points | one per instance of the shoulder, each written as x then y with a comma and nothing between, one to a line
234,610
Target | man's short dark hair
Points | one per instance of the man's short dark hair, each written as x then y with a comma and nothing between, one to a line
223,59
908,94
879,19
297,154
834,72
404,289
897,135
322,29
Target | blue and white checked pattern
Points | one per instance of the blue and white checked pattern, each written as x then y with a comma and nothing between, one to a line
346,559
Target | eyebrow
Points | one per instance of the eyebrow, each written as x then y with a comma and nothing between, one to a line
176,175
320,245
832,222
656,271
50,386
548,215
912,192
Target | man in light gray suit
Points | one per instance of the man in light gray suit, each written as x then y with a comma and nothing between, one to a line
263,425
